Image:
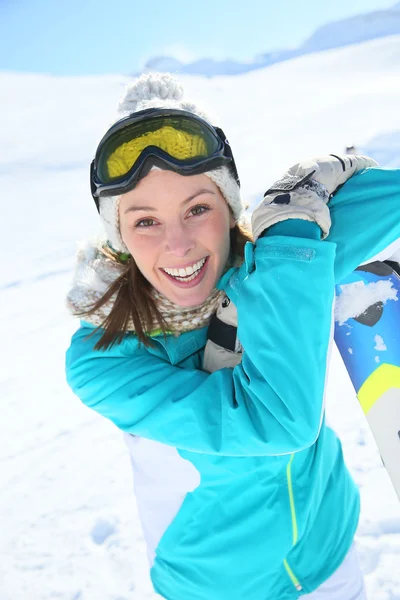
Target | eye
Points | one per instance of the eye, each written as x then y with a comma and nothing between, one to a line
199,209
145,223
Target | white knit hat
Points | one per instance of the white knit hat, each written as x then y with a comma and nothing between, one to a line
162,90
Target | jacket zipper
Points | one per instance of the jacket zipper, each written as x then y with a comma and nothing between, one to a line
292,576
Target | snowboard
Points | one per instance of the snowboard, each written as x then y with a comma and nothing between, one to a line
367,334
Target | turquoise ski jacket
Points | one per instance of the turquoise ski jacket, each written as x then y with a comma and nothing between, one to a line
241,486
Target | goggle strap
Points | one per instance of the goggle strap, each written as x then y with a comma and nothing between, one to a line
228,153
93,187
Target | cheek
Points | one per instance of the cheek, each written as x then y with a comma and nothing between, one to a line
218,234
143,254
215,238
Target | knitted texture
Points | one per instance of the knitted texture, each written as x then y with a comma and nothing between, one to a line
161,90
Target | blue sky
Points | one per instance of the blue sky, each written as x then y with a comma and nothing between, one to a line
79,37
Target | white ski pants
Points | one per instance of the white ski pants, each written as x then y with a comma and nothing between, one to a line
346,583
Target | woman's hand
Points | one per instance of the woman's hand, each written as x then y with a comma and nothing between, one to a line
305,189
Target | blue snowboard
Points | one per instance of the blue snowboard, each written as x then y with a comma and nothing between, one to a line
369,343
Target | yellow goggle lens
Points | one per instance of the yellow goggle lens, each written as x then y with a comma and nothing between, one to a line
178,144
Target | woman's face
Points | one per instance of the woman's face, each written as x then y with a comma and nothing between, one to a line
178,231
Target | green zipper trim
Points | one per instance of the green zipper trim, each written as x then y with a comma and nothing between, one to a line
295,531
291,500
292,576
157,332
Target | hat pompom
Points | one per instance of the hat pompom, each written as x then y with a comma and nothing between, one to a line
150,87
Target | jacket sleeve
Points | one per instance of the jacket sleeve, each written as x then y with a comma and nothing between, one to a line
365,218
270,404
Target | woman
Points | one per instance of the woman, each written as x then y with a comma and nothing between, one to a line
241,487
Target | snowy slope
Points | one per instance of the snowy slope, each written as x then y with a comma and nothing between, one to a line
363,27
69,526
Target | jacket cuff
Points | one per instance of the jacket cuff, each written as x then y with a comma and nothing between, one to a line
294,228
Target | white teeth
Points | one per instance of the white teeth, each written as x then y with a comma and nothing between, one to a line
188,273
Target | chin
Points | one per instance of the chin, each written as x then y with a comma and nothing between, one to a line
191,300
191,297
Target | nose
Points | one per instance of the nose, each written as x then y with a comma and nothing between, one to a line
178,239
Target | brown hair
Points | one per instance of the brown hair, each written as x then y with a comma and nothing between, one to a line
134,300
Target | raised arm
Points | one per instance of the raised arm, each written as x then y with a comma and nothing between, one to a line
365,216
272,403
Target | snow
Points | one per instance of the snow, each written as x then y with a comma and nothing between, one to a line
69,523
380,343
356,297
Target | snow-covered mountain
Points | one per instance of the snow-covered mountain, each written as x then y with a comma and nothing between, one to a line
69,524
356,29
348,31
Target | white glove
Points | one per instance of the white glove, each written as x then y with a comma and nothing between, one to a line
305,189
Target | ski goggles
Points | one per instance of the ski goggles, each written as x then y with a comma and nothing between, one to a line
171,139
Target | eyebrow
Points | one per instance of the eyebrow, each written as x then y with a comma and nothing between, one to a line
136,208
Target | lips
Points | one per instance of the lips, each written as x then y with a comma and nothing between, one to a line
192,275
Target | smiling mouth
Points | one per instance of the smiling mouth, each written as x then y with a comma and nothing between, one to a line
185,275
188,273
